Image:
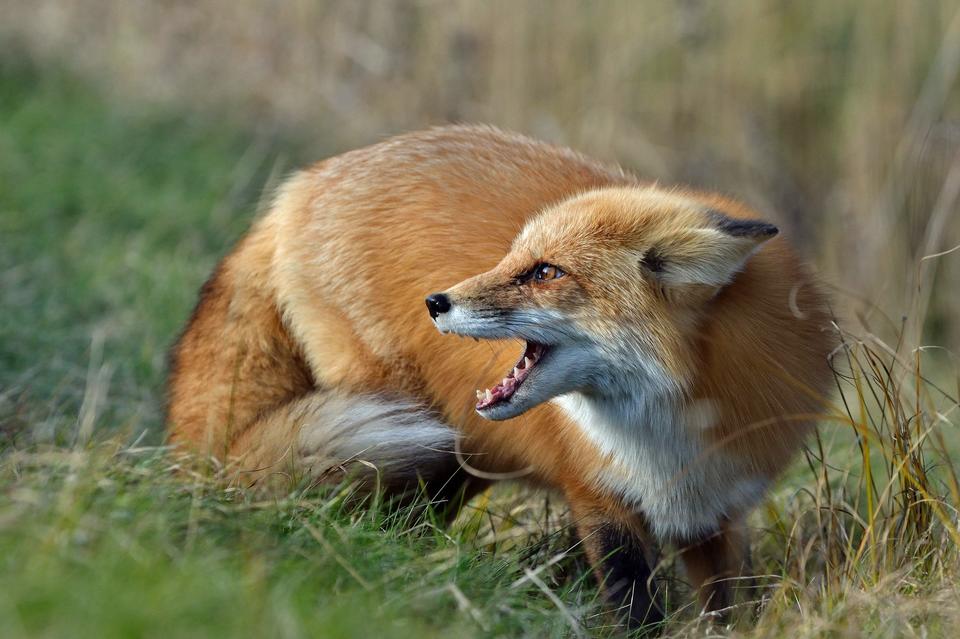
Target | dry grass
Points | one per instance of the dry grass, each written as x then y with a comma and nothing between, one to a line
867,545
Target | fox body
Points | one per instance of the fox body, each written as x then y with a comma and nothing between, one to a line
665,353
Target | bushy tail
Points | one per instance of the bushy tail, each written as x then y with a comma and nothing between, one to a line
388,444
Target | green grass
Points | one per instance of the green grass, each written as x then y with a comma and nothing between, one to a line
109,222
113,545
111,218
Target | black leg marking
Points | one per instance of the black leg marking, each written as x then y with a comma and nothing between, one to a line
626,576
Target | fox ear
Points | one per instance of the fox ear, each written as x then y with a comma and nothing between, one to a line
709,256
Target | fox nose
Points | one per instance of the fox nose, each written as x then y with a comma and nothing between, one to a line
437,303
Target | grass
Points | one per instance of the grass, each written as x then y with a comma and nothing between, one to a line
109,221
108,543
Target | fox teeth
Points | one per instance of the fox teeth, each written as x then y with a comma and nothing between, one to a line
527,362
516,373
488,396
479,394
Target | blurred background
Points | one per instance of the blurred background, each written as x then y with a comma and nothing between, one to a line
140,138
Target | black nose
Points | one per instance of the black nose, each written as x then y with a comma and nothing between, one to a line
438,303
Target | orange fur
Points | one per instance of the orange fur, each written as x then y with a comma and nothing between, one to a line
325,296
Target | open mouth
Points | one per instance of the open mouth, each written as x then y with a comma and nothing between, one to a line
503,391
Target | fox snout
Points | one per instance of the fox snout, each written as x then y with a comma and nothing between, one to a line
437,304
451,315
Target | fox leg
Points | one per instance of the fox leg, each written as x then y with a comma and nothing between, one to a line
716,563
620,555
388,444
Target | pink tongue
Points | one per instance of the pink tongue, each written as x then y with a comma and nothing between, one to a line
506,388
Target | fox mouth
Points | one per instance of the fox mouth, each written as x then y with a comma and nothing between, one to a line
505,389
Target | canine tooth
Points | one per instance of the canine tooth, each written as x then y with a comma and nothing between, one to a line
479,394
488,396
516,372
527,362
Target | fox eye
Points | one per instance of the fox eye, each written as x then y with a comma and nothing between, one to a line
544,272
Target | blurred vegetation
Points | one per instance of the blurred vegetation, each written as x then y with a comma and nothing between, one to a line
138,140
839,118
109,221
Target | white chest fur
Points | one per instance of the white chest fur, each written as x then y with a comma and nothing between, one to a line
658,462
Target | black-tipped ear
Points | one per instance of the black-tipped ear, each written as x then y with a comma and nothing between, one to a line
734,227
707,255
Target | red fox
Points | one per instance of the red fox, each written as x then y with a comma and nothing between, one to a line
672,349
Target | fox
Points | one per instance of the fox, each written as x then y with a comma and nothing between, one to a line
655,354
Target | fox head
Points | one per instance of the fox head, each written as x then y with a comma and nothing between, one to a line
607,289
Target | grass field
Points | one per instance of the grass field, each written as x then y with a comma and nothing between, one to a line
111,216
